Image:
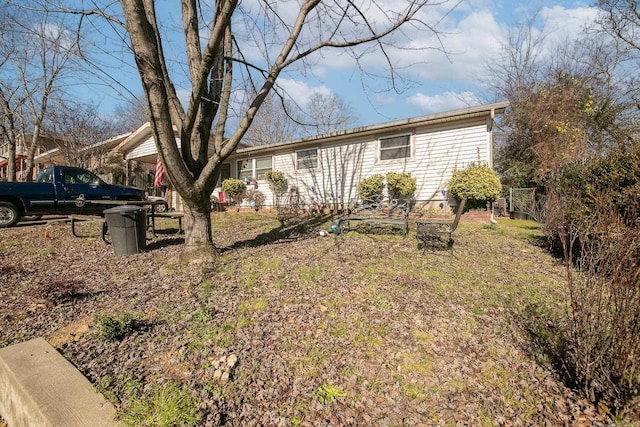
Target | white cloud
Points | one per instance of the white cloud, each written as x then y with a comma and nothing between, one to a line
384,99
470,40
443,102
562,23
300,91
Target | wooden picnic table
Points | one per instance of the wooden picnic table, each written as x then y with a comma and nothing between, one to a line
143,203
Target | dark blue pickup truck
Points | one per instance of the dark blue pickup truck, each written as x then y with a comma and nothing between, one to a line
61,190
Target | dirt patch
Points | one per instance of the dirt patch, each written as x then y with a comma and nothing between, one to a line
71,332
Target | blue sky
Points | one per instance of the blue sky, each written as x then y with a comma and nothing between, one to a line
473,35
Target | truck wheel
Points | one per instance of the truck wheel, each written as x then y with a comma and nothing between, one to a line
160,208
9,214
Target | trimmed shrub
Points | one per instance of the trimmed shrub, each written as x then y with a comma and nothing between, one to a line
400,185
477,182
277,182
371,186
234,188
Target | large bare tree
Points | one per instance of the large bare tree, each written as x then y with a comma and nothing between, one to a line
277,121
228,44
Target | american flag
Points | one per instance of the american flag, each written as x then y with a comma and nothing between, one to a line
157,182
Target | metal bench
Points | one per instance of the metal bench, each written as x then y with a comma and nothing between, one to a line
432,231
376,211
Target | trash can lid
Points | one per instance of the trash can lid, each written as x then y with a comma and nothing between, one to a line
124,209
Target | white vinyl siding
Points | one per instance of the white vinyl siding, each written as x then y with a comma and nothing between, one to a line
435,152
148,147
441,151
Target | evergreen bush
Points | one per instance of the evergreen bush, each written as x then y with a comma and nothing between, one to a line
277,182
477,182
234,188
401,185
371,187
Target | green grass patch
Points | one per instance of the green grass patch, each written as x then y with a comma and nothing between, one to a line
328,392
252,306
168,406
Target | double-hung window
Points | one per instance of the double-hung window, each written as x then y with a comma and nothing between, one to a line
245,169
395,147
307,159
263,165
253,168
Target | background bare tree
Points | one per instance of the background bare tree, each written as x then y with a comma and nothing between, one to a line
278,120
621,20
80,131
8,92
570,103
327,113
40,53
131,115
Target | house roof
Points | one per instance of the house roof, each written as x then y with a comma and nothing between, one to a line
53,154
486,110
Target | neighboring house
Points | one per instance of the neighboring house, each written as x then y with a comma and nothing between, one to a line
45,143
58,151
90,157
327,169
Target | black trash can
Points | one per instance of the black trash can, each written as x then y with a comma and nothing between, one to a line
128,229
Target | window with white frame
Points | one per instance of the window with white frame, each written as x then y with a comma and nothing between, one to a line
245,169
263,165
253,168
307,159
395,147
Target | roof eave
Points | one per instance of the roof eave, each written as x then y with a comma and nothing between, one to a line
432,119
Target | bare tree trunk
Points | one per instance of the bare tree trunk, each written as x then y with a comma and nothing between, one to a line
198,239
31,154
11,166
10,133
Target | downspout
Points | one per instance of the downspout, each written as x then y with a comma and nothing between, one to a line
490,129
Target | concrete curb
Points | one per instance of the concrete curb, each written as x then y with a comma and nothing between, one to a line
39,387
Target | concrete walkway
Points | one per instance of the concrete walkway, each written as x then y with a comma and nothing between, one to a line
39,387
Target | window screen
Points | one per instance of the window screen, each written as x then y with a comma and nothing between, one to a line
397,147
307,159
